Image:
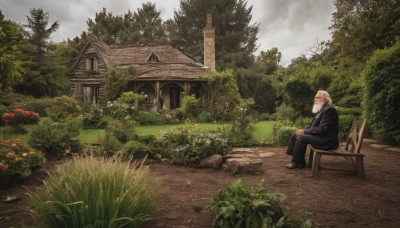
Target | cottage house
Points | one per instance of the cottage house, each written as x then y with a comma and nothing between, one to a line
164,73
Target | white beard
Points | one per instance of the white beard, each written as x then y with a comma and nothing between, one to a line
317,106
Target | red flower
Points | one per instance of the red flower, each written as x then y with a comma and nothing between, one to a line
10,155
5,167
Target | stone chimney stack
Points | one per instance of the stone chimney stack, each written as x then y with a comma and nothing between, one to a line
209,43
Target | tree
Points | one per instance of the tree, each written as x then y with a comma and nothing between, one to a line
361,27
235,39
106,27
10,66
116,82
269,61
43,76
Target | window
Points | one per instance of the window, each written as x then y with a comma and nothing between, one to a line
91,94
91,64
153,58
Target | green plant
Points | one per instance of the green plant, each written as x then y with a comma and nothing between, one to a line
135,149
63,108
94,118
283,135
20,117
191,106
148,118
241,205
90,191
17,160
52,137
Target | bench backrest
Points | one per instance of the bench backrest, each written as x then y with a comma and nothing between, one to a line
355,138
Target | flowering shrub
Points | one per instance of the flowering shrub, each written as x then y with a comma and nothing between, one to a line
20,116
17,161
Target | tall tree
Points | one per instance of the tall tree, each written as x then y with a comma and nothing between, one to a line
269,61
235,35
149,24
42,74
106,26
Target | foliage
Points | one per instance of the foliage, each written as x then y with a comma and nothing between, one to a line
10,65
241,205
116,82
38,105
123,130
382,92
269,61
239,134
135,149
361,27
44,73
283,135
63,107
284,112
17,160
223,94
345,122
52,137
94,118
257,86
128,104
300,95
235,36
187,146
96,192
148,118
20,117
191,107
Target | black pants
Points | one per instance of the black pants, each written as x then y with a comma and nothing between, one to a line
298,145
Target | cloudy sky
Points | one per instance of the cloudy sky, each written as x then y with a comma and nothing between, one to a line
293,26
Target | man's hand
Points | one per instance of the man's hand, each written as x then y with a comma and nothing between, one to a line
299,132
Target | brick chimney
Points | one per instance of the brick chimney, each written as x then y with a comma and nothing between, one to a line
209,43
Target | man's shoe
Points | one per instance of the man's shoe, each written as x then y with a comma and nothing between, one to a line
293,165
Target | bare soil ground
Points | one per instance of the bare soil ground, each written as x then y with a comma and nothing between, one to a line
335,198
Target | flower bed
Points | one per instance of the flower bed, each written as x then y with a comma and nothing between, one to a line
17,160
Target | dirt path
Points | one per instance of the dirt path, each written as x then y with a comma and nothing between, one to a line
335,199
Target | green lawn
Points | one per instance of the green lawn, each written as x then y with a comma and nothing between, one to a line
262,131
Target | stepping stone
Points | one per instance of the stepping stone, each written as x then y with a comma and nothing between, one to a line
266,154
378,146
236,150
370,141
396,149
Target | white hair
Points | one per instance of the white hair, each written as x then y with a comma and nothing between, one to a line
326,96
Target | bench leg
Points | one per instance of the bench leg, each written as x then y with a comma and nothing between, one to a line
315,165
360,166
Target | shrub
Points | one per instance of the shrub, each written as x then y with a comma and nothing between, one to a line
204,116
382,92
148,118
135,149
96,192
345,122
17,160
284,112
94,118
63,108
283,135
123,130
241,205
52,137
39,105
20,117
191,106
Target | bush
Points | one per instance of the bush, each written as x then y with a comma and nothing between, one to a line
17,160
345,122
96,192
135,149
123,130
283,135
205,117
148,118
63,108
191,106
39,105
52,137
20,117
382,92
240,205
284,112
94,118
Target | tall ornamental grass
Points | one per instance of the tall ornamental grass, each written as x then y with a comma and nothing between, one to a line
96,192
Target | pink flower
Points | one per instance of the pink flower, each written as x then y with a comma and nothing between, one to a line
24,154
32,153
10,155
13,145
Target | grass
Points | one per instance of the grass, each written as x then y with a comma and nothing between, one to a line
262,131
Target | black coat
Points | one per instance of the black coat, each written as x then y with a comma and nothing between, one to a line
325,128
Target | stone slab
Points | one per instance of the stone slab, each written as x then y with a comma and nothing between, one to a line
370,141
396,149
266,154
236,150
378,146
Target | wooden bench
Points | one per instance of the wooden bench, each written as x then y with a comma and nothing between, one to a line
351,152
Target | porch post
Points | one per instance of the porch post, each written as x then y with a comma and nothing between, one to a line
158,93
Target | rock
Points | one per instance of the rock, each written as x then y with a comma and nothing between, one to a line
214,161
166,161
244,165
